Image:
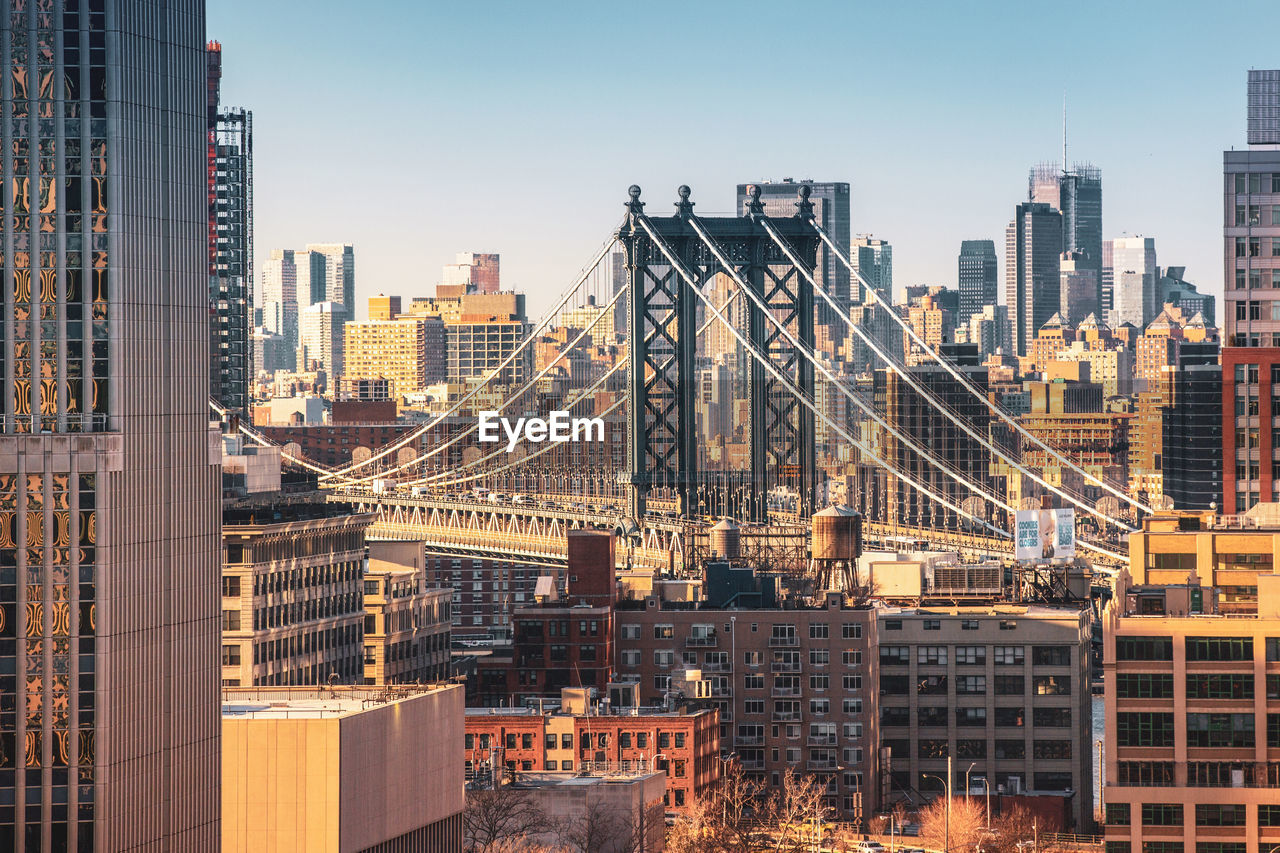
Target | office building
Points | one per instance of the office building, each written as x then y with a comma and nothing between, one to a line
345,769
977,277
1191,733
1076,192
292,593
1108,278
1135,273
409,353
278,297
230,131
1250,471
1251,232
1033,248
339,274
1071,418
406,626
931,322
477,272
583,734
1193,421
988,328
322,326
795,688
1172,289
1079,287
311,278
476,348
108,487
873,259
383,307
1004,687
830,201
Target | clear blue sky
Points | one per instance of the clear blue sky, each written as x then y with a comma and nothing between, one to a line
416,130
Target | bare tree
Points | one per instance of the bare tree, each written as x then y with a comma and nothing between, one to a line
799,806
968,823
499,816
1013,825
643,829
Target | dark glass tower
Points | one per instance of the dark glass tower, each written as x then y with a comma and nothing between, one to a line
230,244
1193,430
1077,194
1033,249
109,512
977,278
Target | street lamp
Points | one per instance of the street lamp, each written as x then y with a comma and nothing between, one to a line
946,783
987,786
966,779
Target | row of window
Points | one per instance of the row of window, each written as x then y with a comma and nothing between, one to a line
977,748
974,685
781,633
974,655
1197,648
936,715
936,624
1203,730
1206,814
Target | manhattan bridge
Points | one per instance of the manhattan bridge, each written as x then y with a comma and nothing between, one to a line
932,453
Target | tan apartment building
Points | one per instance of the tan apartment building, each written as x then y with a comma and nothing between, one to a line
1001,689
406,626
1223,554
292,593
342,770
408,352
795,688
1192,720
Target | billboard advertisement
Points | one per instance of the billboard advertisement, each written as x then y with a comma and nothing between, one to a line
1045,534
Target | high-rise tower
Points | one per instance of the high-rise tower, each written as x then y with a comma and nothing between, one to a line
230,132
1033,249
109,510
977,278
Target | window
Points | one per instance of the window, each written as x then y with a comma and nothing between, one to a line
819,706
931,655
664,632
971,748
1059,718
893,716
851,731
928,747
851,658
1011,749
1159,846
933,624
1220,730
231,620
753,681
231,655
1221,847
969,717
1202,685
1144,729
1145,774
631,657
932,685
818,631
850,631
1051,685
1273,731
664,659
931,715
971,655
1051,749
1051,655
1009,718
1117,847
661,682
1161,814
895,655
751,658
230,585
819,682
1268,815
851,706
1217,814
972,685
893,624
1144,686
1118,815
552,765
1008,625
1144,648
854,682
819,657
566,740
630,632
1010,685
1219,648
526,741
969,624
1008,655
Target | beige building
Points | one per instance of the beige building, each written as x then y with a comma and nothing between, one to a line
1001,688
292,593
1192,719
409,352
383,307
406,626
1225,554
343,770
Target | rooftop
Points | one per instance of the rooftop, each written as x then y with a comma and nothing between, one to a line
312,703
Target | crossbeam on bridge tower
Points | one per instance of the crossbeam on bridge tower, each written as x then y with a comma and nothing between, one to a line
662,344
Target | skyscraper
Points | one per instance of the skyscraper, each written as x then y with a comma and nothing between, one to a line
109,502
478,272
977,278
1133,264
322,335
1251,278
278,296
339,274
230,244
1033,246
873,259
1076,192
831,210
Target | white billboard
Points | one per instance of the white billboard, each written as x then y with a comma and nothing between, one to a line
1045,534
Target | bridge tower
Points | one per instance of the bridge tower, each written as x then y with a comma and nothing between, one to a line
662,327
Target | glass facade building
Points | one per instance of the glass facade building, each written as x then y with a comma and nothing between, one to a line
109,726
1033,249
977,278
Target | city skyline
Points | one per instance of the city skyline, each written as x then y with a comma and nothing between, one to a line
580,150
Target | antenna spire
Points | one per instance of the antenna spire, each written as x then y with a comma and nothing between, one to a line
1064,133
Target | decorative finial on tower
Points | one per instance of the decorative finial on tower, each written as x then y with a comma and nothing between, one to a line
635,206
804,207
754,206
684,207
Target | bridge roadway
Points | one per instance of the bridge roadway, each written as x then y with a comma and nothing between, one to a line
534,530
